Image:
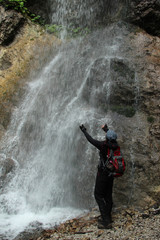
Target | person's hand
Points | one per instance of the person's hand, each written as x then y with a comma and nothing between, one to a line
82,127
105,127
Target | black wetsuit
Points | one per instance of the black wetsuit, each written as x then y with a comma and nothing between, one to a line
104,179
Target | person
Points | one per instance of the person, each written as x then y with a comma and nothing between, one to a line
104,178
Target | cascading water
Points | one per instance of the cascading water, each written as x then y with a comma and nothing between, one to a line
74,12
55,168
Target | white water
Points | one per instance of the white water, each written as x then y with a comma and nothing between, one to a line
55,167
74,12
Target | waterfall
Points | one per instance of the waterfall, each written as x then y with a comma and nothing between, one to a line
55,167
73,12
82,13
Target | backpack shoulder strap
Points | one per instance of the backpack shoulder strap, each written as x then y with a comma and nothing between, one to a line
111,154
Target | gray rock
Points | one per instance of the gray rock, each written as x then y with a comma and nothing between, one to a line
146,14
6,166
10,23
33,232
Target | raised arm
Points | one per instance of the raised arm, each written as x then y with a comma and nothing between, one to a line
94,142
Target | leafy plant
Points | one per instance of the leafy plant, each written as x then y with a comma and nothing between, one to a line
71,31
54,28
79,31
20,6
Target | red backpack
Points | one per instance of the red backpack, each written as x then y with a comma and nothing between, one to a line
115,162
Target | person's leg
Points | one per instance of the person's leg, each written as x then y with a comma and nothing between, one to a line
108,197
103,196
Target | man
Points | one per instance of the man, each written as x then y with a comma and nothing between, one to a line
104,179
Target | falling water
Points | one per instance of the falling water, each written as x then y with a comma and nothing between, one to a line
55,167
73,12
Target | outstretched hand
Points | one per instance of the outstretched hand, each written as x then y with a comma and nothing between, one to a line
82,127
105,127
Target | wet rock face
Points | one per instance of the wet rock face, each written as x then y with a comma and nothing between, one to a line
39,7
146,14
10,23
121,94
140,133
85,13
133,103
6,166
16,54
124,94
141,142
93,92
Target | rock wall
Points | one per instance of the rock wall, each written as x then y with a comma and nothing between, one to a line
10,23
39,7
140,136
136,104
146,14
18,58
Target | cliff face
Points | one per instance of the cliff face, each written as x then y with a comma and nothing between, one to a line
21,44
134,101
146,14
146,143
10,23
141,131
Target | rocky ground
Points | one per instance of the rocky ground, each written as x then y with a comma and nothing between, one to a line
127,224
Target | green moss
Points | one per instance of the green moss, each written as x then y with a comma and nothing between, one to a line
71,31
54,28
128,111
20,6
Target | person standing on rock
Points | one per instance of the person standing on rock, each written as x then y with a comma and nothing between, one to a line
104,179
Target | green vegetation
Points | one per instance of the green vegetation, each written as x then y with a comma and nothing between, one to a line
54,28
71,31
20,6
74,32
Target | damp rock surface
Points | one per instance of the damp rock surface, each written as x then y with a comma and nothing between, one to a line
10,23
146,14
25,43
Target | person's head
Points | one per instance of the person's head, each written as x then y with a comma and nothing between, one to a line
111,135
